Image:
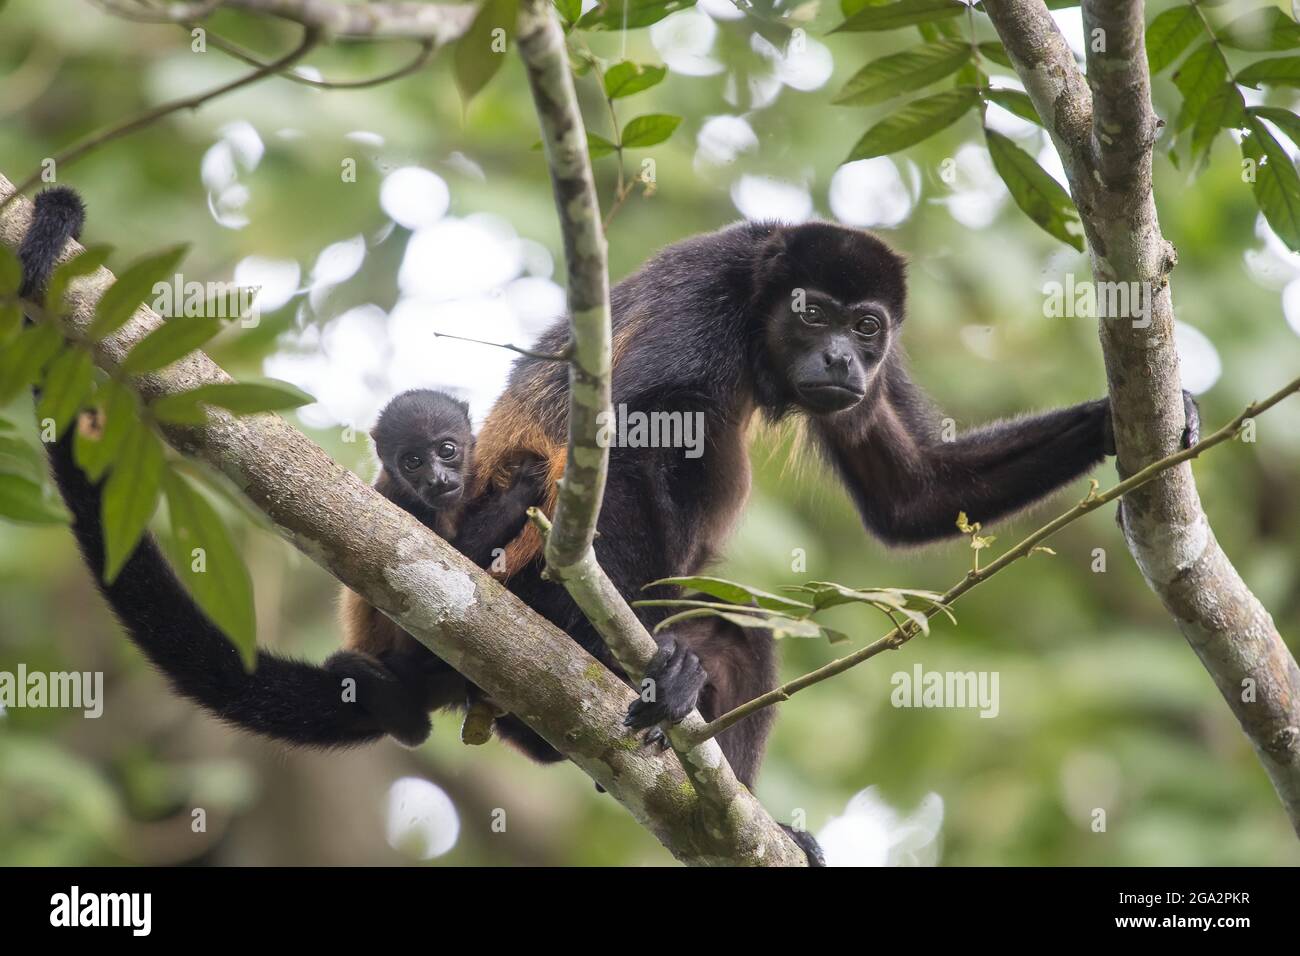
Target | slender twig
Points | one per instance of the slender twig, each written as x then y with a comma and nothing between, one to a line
66,157
902,634
565,356
425,53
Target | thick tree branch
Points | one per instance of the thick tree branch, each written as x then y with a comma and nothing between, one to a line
1104,132
460,613
729,809
441,23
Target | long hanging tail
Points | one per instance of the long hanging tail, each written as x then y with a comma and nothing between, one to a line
285,699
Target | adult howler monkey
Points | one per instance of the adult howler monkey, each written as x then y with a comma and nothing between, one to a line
757,319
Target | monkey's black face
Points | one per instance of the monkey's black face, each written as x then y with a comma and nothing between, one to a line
426,442
829,349
433,472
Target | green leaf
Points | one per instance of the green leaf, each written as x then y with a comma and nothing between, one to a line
86,262
22,499
1280,71
11,320
905,13
25,357
479,53
1267,28
1224,110
239,398
1038,195
779,626
733,592
629,14
130,496
1170,34
904,72
1015,102
67,386
172,340
1285,120
570,10
995,51
19,458
598,146
649,130
118,415
626,78
216,576
915,122
1277,185
1198,79
132,286
11,272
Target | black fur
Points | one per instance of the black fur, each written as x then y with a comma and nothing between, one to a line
57,216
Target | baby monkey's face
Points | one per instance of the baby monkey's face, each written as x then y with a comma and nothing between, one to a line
434,468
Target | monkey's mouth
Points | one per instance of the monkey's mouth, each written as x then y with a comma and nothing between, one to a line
825,397
443,499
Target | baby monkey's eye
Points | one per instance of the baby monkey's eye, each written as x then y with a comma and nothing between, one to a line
813,315
867,327
447,451
412,462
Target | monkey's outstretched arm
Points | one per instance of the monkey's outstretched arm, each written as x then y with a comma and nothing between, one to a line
910,479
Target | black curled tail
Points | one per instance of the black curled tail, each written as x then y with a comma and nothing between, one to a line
289,700
285,699
58,215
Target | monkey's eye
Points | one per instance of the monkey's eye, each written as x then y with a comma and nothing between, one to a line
867,327
411,462
813,315
447,451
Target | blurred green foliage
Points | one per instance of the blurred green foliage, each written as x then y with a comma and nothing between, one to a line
1103,703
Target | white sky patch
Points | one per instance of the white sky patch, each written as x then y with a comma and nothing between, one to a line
1051,162
538,260
870,193
414,197
339,261
1274,266
1198,359
1002,120
227,207
420,819
684,41
872,833
762,197
309,73
536,303
475,372
804,65
1291,305
455,258
722,139
720,9
1070,22
365,137
217,169
978,193
761,91
245,143
276,278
